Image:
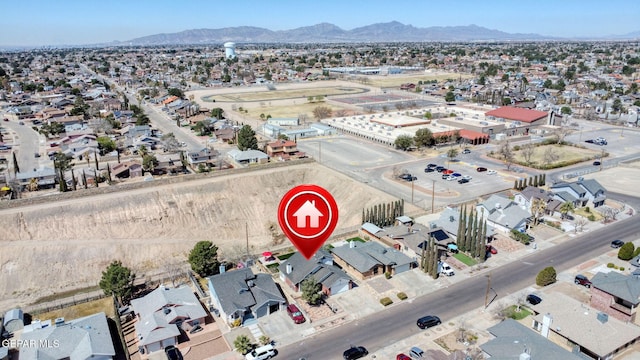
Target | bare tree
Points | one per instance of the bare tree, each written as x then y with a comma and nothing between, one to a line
538,208
527,151
579,224
520,300
322,112
507,154
550,156
174,269
609,213
561,133
341,113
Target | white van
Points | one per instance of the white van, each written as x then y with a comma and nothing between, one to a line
261,353
445,269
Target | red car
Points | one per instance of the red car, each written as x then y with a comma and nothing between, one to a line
448,172
402,357
492,249
295,314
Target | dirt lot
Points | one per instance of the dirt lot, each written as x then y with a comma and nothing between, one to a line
60,246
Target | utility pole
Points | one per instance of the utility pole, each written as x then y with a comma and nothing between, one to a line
486,295
412,190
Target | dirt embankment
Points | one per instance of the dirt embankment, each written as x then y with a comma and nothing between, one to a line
54,247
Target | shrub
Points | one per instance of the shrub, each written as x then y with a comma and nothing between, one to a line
546,276
626,251
243,344
264,340
386,301
636,252
402,296
387,275
591,217
516,148
611,265
587,209
621,268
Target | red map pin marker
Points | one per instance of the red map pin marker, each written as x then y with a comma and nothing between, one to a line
308,214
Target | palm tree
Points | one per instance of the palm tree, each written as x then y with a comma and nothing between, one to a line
566,208
538,207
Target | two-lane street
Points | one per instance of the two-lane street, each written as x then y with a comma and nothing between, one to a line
398,322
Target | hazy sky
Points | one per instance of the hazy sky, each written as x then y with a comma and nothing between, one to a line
77,22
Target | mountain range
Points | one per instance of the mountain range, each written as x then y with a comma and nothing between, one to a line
328,33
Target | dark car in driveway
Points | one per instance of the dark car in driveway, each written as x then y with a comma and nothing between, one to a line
173,353
428,321
533,299
617,243
582,280
354,352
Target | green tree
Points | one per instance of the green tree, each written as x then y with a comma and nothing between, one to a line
403,142
117,280
105,145
626,251
176,92
311,290
217,113
247,138
566,208
243,344
450,97
546,276
149,162
565,110
452,153
204,259
423,138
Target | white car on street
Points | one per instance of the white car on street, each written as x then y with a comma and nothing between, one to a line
491,172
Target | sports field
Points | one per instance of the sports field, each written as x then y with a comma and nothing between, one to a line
268,95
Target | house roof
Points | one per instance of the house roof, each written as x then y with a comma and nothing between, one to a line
301,267
503,211
36,173
155,324
364,256
371,228
567,197
239,290
512,339
573,186
282,143
579,323
82,338
592,186
532,192
623,286
517,114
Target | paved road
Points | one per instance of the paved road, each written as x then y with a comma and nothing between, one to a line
26,143
398,322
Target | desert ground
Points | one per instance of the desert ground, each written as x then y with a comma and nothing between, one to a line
64,245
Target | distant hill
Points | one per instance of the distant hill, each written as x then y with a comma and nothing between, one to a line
328,33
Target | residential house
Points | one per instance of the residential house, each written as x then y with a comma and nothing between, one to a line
512,340
411,239
13,320
84,338
282,149
241,296
579,328
365,260
161,312
617,295
127,169
248,156
45,176
584,192
204,157
502,214
370,230
332,279
169,163
527,196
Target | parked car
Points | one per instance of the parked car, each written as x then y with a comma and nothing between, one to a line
481,169
455,174
533,299
428,321
402,357
429,169
463,181
36,155
596,163
432,166
617,243
468,177
491,172
582,280
491,249
440,169
295,314
411,178
466,151
261,353
416,353
355,352
196,329
405,176
173,353
447,171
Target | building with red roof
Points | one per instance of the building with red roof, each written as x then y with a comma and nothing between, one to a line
518,114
